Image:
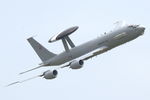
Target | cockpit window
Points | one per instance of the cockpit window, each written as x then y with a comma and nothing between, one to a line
133,26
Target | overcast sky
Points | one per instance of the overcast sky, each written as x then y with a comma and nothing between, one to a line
120,74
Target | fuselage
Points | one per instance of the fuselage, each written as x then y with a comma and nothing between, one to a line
111,39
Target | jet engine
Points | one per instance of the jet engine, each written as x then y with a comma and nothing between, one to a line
76,64
50,74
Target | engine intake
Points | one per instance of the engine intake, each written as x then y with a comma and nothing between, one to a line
76,64
50,74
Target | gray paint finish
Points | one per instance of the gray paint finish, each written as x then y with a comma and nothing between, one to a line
110,40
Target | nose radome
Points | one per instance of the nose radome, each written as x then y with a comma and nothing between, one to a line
141,28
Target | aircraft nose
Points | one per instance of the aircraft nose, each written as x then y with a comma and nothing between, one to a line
141,29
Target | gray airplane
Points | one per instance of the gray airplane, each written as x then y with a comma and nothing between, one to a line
92,48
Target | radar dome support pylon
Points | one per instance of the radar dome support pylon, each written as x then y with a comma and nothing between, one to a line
64,36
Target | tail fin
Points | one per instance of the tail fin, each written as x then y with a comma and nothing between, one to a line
41,51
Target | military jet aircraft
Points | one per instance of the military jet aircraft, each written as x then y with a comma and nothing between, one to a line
68,58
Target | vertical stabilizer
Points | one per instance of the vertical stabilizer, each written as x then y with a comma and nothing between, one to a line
41,51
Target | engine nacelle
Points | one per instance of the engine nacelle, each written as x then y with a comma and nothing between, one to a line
50,74
76,64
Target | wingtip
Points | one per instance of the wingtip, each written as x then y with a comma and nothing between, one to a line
30,70
12,84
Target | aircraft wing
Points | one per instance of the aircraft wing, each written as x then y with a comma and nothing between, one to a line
95,53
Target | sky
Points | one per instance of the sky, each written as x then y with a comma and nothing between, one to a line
119,74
